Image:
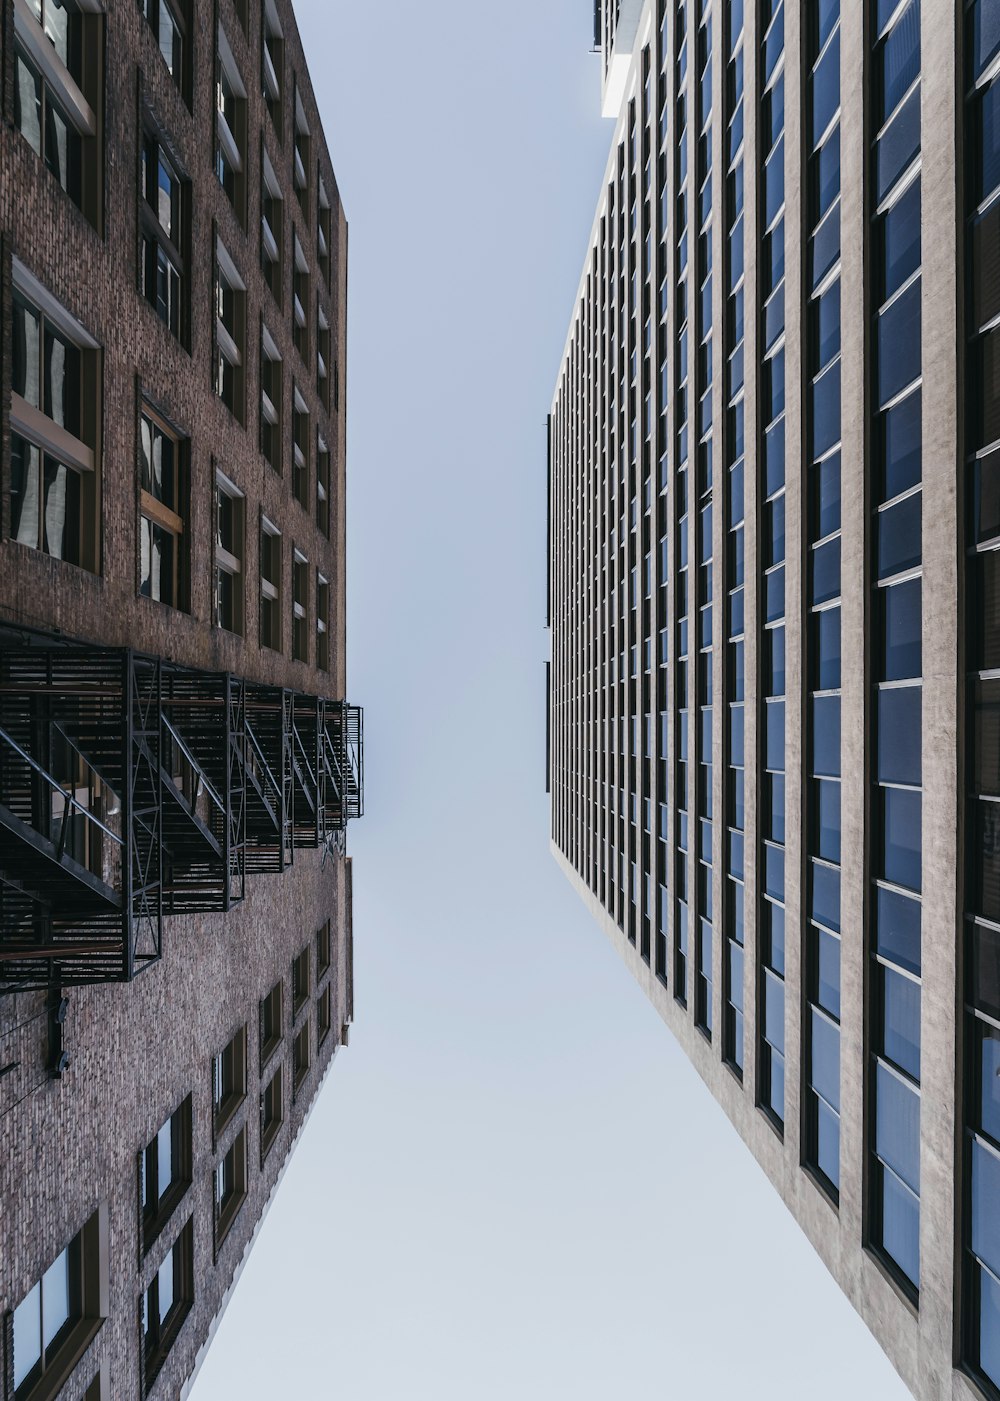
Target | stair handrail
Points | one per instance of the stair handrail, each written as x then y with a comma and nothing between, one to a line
54,783
203,779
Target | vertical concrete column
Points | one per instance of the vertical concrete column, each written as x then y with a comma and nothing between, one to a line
751,551
690,90
796,814
854,621
941,222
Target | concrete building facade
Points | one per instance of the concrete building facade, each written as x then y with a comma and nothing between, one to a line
772,696
178,761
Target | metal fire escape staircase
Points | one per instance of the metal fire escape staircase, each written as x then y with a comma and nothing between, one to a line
132,788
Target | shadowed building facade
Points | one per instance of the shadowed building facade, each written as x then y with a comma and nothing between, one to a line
178,762
773,699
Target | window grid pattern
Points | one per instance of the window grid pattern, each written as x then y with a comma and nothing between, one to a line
663,552
682,394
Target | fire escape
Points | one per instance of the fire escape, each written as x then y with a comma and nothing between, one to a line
132,788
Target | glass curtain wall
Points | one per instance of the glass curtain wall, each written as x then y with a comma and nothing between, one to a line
681,588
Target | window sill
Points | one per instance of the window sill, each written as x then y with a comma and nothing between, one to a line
68,1358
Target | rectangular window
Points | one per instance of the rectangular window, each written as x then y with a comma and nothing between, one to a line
301,436
302,157
229,1080
229,537
272,57
271,398
272,1113
167,1303
230,1186
323,951
272,226
230,127
300,1057
270,585
323,358
300,981
61,1314
323,485
323,234
270,1023
322,622
300,607
58,48
163,512
300,299
163,216
168,20
165,1172
324,1015
55,410
230,333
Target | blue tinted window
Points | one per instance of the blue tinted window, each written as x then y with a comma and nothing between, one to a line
984,35
774,596
899,712
986,1206
774,936
736,892
774,457
901,447
826,818
901,863
736,735
825,477
899,536
901,1226
774,1011
898,935
774,257
901,1021
826,325
775,661
774,317
901,623
989,1324
775,735
897,1126
826,736
825,570
987,149
774,45
985,506
826,174
824,247
899,241
898,334
826,89
774,382
775,541
825,395
827,971
900,58
774,114
736,975
736,613
825,903
825,628
775,807
774,182
736,494
774,872
736,854
825,1058
828,1141
898,145
989,1081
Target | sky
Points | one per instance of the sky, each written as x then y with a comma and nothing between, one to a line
513,1184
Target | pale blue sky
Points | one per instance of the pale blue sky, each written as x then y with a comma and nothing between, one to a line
514,1185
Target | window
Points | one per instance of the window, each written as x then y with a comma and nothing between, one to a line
229,528
324,1014
322,358
301,155
300,1058
230,127
272,58
230,333
270,1024
322,951
163,220
300,981
300,607
168,21
167,1303
99,1389
300,448
271,1113
323,236
272,227
57,96
229,1080
300,299
322,622
271,398
54,412
163,508
270,585
165,1172
230,1186
60,1315
323,485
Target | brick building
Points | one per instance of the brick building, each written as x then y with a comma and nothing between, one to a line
775,604
177,759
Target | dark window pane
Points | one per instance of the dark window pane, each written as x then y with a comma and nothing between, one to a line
774,182
825,796
774,258
901,623
775,735
774,596
898,248
825,1058
826,176
986,1206
826,89
899,735
901,1021
898,336
900,447
985,389
983,841
825,394
899,536
774,1011
901,1226
825,568
985,260
774,872
775,828
825,989
986,737
825,491
986,149
774,114
826,736
988,1038
61,511
774,936
826,326
24,487
774,316
984,973
985,634
825,903
898,932
901,852
774,544
900,59
984,35
774,457
985,494
827,1141
736,975
825,650
898,145
897,1126
774,676
824,247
